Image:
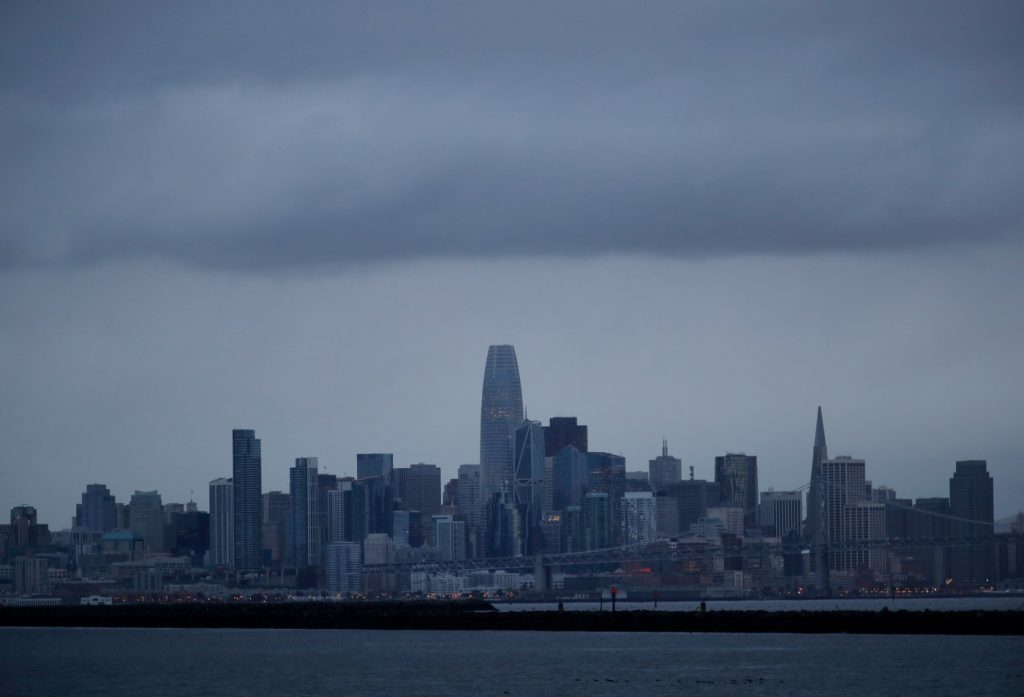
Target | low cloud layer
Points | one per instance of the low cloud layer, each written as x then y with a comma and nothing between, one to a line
261,137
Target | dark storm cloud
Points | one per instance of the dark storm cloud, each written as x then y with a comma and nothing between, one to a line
255,135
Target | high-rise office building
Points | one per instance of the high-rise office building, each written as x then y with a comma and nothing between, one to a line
247,477
222,523
849,518
563,431
664,469
97,512
501,411
275,510
736,474
570,478
302,533
378,549
336,511
597,521
374,465
693,497
449,538
814,530
148,519
607,473
469,494
971,510
422,488
528,468
929,524
344,567
779,512
639,520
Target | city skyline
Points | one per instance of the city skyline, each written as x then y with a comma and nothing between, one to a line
818,449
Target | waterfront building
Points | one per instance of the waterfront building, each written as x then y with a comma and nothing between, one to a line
148,519
344,567
639,520
247,477
501,411
736,474
374,465
971,509
779,512
302,533
222,523
664,469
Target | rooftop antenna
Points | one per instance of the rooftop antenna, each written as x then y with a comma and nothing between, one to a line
664,446
691,473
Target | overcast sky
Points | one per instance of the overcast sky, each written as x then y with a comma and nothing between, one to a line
693,220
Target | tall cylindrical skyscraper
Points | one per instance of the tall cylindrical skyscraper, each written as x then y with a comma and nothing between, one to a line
501,411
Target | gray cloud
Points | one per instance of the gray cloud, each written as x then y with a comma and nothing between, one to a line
254,136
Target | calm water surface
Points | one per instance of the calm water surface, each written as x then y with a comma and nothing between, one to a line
159,662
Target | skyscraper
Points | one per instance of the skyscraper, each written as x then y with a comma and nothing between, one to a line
664,469
222,523
639,523
563,431
528,468
570,478
374,465
276,509
849,518
736,474
970,506
344,567
247,473
501,411
469,494
97,510
607,473
449,538
302,532
815,499
148,519
779,512
423,489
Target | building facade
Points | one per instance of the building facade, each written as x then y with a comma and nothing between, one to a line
247,477
501,411
222,523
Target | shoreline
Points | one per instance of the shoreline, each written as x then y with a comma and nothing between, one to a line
481,616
